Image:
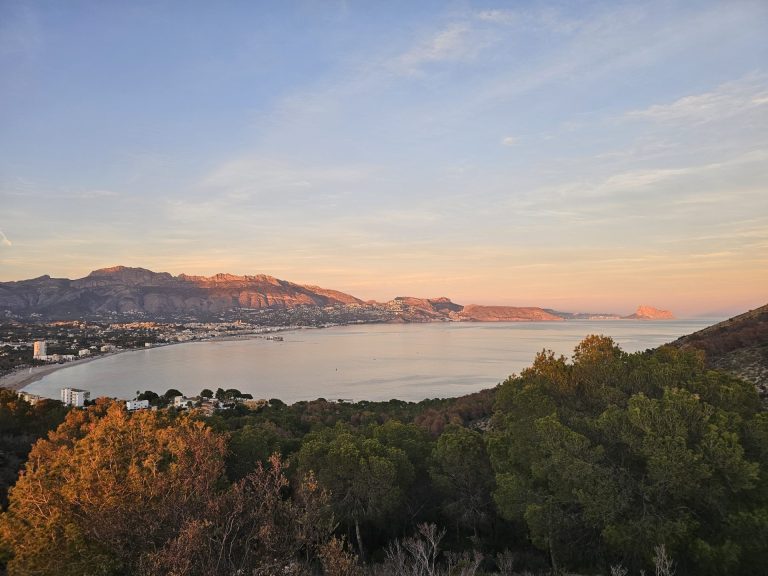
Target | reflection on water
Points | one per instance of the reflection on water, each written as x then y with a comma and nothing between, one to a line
370,362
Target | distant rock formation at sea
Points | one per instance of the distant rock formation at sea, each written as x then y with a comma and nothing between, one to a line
645,312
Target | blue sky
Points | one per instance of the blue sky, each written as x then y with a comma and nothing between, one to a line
578,155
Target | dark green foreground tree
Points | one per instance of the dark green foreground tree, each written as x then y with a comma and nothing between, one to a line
367,478
613,454
462,475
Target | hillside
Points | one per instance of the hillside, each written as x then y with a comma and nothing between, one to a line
506,314
738,345
137,290
409,309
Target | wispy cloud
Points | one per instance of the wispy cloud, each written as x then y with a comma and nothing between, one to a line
725,101
457,41
643,180
549,19
25,188
94,194
596,45
4,241
498,16
509,141
255,176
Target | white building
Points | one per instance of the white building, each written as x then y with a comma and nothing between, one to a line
74,397
132,405
31,398
40,351
83,352
182,402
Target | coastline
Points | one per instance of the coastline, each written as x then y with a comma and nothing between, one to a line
433,360
20,379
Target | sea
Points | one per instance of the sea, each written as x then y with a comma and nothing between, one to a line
360,362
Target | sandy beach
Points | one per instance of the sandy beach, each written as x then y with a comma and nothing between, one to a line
21,378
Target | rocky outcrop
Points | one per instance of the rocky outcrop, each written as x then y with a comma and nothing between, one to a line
410,309
644,312
440,305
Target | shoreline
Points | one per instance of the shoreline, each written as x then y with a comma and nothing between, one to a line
20,379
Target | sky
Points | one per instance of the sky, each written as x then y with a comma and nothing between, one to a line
588,156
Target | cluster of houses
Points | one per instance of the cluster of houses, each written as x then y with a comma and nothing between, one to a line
207,406
178,402
78,398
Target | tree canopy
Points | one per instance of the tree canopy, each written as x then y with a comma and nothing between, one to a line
613,454
112,492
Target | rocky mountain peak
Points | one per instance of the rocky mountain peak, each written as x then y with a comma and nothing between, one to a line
125,275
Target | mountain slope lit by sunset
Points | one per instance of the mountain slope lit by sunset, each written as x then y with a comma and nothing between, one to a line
584,156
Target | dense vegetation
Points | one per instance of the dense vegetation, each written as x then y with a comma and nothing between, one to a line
21,424
609,460
609,456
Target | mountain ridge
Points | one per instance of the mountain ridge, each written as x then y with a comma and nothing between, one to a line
135,290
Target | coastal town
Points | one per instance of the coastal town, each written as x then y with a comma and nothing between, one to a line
31,350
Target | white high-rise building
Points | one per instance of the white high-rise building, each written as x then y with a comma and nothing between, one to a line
74,397
40,350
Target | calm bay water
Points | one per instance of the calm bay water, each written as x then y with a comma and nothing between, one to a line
367,362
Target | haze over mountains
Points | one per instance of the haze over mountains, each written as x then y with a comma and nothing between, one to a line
137,291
